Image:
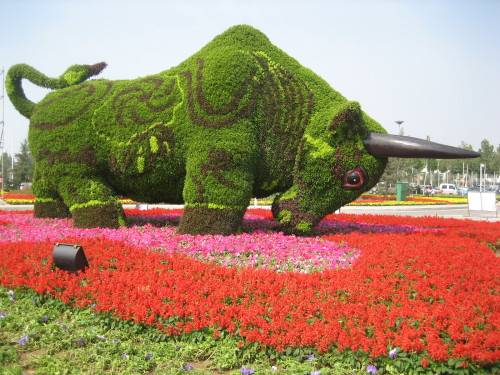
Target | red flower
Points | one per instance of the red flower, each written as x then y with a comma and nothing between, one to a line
424,362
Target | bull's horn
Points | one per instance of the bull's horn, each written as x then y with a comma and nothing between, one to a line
408,147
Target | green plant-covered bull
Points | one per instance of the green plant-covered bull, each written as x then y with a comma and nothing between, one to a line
238,119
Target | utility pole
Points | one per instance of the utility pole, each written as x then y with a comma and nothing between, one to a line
438,173
399,122
482,169
2,125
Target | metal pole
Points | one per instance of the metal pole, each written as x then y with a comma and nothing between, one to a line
2,72
481,177
438,174
399,122
467,178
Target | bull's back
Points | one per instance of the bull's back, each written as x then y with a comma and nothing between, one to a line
60,131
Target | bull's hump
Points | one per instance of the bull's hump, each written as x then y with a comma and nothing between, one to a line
244,37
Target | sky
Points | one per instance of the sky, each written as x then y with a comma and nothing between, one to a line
433,64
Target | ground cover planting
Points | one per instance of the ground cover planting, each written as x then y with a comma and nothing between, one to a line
29,198
390,200
423,289
17,198
363,200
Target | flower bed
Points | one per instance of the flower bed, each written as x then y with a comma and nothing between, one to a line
390,200
17,198
23,198
370,283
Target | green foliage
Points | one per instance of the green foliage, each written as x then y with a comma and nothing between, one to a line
239,118
399,169
23,166
6,171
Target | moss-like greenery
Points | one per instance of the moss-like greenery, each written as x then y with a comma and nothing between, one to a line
51,209
98,214
239,118
198,220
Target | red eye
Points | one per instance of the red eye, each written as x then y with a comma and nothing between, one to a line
354,179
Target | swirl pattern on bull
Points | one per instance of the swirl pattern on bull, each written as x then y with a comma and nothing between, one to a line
76,100
203,113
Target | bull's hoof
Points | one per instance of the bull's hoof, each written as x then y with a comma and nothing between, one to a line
51,208
292,220
210,220
103,215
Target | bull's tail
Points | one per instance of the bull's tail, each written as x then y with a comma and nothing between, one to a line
73,75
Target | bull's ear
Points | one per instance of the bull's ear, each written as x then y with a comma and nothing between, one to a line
347,120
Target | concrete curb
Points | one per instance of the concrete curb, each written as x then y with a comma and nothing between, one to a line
416,211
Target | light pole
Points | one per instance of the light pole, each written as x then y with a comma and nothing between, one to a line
2,125
482,169
399,122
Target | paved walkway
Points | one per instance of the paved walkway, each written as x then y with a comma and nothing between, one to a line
456,211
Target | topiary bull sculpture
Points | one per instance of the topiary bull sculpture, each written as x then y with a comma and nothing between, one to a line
238,119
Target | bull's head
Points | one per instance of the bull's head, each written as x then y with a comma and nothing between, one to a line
343,154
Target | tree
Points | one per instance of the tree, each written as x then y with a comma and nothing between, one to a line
23,165
410,167
6,172
487,151
496,161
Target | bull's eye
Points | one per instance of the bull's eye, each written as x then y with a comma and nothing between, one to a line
354,179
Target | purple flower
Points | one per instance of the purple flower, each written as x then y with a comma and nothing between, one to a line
310,357
371,369
148,356
23,340
125,356
187,367
393,353
247,371
2,315
274,368
44,319
263,247
316,372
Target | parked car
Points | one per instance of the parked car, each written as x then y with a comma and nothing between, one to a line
428,190
25,186
449,189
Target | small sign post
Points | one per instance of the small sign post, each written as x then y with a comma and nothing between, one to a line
482,201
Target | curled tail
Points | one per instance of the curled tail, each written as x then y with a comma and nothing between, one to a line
73,75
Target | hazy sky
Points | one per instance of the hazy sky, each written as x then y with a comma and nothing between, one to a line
433,64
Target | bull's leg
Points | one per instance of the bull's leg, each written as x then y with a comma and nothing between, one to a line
91,202
293,213
217,189
50,207
48,203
